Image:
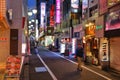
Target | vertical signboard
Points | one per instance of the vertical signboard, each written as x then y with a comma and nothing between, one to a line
52,11
57,11
104,49
43,10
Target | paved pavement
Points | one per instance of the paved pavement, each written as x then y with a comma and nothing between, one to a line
49,65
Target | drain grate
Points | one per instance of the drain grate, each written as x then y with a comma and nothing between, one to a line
40,69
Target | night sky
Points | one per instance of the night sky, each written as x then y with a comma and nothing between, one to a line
31,3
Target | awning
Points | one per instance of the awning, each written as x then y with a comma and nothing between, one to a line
3,24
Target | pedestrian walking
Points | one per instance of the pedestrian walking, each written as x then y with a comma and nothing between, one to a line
35,50
79,56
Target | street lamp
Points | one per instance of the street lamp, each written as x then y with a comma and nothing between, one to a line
29,13
35,12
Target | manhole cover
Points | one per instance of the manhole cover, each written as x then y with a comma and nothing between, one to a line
40,69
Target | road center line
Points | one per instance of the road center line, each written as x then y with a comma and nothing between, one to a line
84,67
51,73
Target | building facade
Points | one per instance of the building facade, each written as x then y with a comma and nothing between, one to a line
13,16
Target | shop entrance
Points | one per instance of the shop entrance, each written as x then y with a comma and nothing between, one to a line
92,51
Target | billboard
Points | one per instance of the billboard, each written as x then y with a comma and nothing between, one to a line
113,21
74,5
43,11
57,11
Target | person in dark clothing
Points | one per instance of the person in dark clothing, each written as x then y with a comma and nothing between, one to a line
35,50
79,55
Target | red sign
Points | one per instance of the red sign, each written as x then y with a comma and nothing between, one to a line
52,12
3,39
23,22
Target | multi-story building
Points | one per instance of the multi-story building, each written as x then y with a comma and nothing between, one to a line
112,30
47,20
13,19
4,34
101,23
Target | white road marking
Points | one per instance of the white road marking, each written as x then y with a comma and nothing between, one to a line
84,67
40,69
51,73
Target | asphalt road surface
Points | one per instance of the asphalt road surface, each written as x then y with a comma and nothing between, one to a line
55,67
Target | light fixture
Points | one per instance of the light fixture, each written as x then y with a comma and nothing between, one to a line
34,11
31,25
30,22
33,20
29,13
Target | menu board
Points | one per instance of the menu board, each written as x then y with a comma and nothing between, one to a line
104,49
13,65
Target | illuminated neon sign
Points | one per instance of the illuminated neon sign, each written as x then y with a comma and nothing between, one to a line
57,11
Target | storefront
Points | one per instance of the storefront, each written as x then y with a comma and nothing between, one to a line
99,34
94,32
115,53
112,32
65,41
90,45
10,65
78,34
49,37
49,40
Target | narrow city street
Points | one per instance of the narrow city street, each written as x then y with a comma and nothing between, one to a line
48,39
47,65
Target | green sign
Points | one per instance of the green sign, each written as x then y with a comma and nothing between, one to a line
99,27
49,31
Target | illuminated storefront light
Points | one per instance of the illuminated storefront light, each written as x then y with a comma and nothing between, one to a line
90,29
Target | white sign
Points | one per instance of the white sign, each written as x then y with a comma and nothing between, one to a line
43,11
73,45
104,49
